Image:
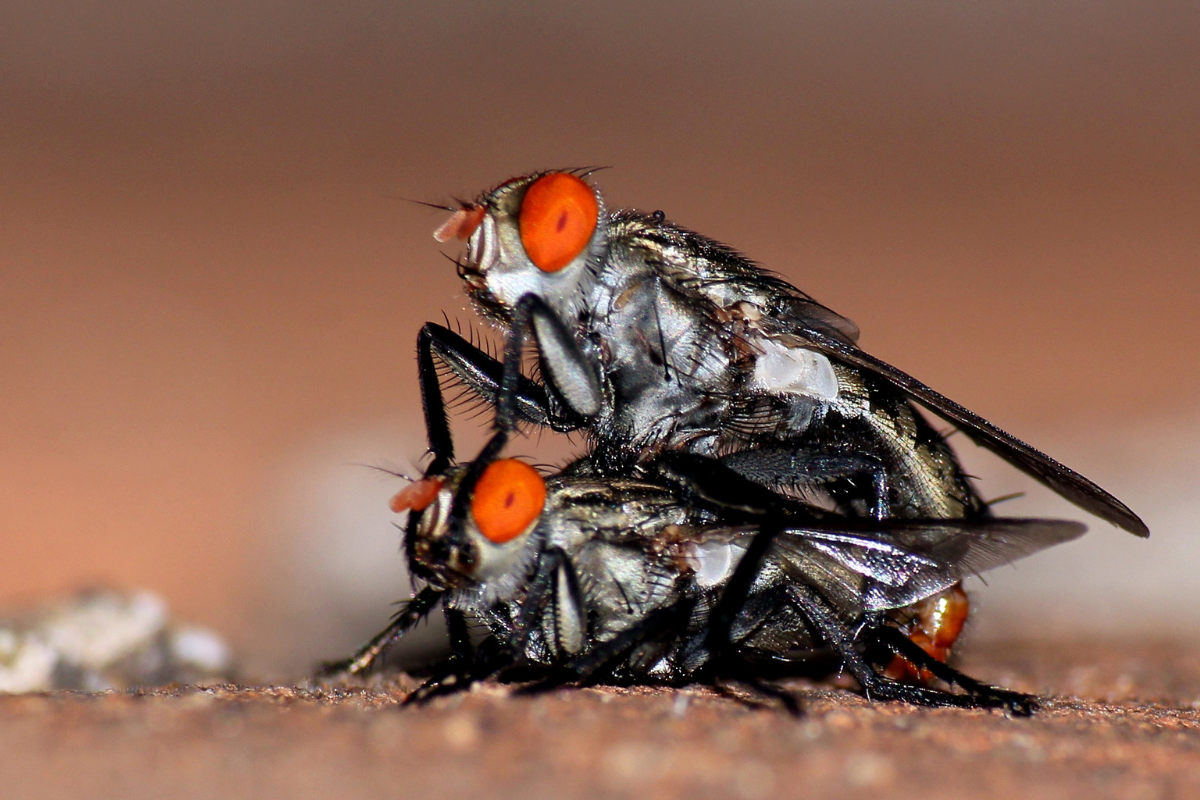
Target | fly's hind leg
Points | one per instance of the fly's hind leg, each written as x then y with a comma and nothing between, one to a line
894,642
799,468
710,482
879,687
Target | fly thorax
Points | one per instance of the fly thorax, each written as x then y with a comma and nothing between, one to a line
667,361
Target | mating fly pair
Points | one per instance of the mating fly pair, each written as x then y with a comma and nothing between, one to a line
695,373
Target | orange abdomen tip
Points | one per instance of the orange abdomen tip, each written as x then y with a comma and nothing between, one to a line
935,629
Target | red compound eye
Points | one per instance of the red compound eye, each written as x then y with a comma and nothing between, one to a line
461,225
558,217
417,495
509,496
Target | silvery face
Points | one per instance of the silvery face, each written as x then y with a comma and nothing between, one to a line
496,268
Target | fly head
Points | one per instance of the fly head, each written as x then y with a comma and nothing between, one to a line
486,540
530,235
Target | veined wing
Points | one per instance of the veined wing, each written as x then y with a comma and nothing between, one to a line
1062,479
908,560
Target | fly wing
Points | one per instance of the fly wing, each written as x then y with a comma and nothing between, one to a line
802,307
905,561
1062,479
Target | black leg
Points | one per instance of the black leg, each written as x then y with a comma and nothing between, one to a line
895,642
494,656
569,373
789,701
737,590
453,675
874,685
460,635
413,612
458,672
482,375
595,663
505,419
794,468
710,482
437,425
537,597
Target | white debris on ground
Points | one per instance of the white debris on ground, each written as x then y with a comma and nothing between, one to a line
105,639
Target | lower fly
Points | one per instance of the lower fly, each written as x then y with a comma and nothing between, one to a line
583,579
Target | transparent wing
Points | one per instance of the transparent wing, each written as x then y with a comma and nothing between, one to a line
904,561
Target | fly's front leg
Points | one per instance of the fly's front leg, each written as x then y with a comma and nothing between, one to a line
455,673
413,612
567,371
775,467
483,375
464,666
496,655
554,589
437,425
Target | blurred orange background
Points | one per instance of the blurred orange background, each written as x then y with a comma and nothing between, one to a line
211,287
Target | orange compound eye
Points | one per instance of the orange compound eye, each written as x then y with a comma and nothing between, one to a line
417,495
509,496
461,225
558,217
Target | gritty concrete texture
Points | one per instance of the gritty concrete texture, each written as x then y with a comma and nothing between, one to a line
1122,722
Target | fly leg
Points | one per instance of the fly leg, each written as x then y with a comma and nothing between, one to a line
711,482
568,372
569,375
413,612
875,685
895,642
719,638
495,656
786,698
589,667
457,671
483,375
776,467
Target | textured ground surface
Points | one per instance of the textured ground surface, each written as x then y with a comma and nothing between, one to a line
1124,722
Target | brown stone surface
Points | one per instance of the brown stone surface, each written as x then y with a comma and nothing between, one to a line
1122,722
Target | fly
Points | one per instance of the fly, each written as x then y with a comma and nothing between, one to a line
775,387
582,578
